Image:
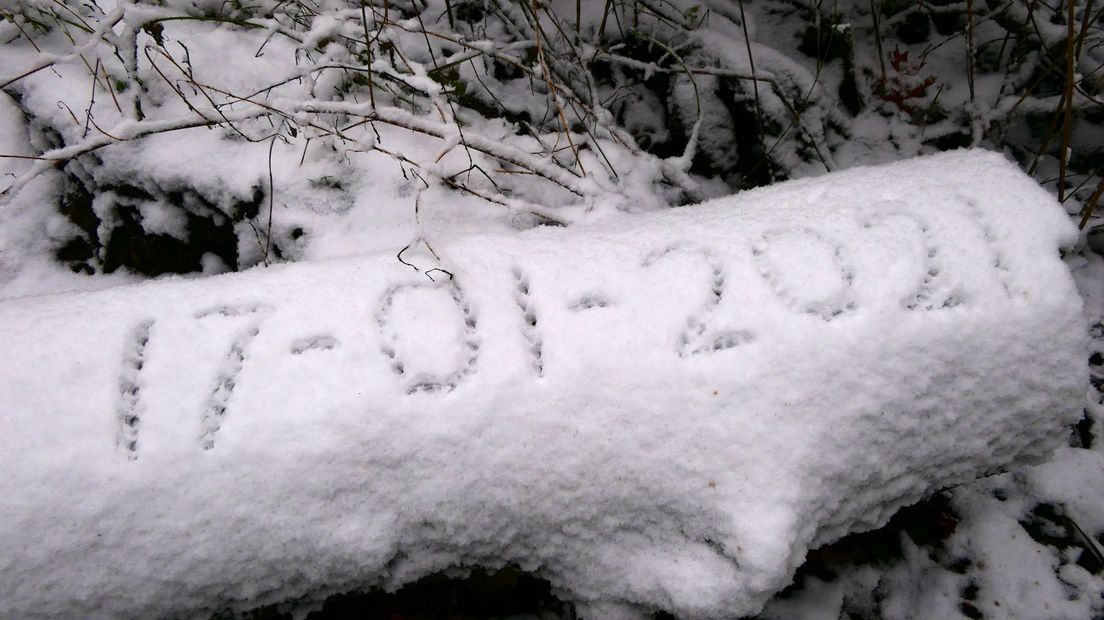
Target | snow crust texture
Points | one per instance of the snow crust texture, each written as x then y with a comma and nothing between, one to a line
654,412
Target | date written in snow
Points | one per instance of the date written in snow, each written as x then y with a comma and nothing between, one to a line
702,331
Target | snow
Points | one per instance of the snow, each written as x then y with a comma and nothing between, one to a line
652,411
985,562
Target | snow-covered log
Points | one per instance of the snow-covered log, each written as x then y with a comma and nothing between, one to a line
661,411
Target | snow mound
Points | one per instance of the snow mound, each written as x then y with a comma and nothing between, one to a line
663,411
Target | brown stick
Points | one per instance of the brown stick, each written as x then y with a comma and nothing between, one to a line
754,82
970,47
1067,121
1090,204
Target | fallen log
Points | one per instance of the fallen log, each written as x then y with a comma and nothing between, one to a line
653,412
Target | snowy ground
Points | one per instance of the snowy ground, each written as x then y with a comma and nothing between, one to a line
1020,544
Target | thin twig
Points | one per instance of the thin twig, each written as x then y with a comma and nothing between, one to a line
1067,121
271,195
970,47
1090,204
754,83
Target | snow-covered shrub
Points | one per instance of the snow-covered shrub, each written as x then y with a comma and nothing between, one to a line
496,88
551,110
